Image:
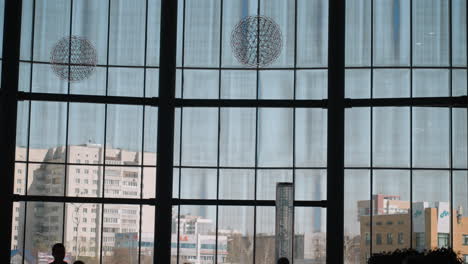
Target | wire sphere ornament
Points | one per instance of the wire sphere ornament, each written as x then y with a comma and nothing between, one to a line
73,58
256,41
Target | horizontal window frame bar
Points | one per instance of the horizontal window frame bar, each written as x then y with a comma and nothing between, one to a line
97,65
85,164
405,67
457,101
153,201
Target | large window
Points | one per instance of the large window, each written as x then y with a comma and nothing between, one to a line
255,97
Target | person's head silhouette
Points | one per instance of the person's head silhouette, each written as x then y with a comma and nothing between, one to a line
283,260
58,251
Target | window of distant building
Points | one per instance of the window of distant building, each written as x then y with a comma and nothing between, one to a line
465,240
443,239
420,240
389,223
378,239
465,258
401,222
367,238
378,223
389,238
400,238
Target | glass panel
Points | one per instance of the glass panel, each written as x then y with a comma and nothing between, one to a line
311,84
153,34
127,32
431,83
311,137
152,82
124,134
391,209
24,80
122,182
126,82
282,12
85,181
312,33
267,181
89,20
235,234
356,216
95,84
358,32
310,185
147,234
275,137
237,137
202,33
238,84
459,82
45,80
52,23
17,233
233,13
458,33
43,228
86,133
310,236
48,131
459,138
430,33
391,33
201,84
357,84
357,137
149,182
431,205
2,17
20,178
198,184
197,233
120,233
391,136
22,126
26,29
431,144
150,137
83,231
391,83
199,136
46,179
236,184
276,85
265,235
460,199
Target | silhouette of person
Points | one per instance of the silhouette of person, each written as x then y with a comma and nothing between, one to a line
58,251
283,260
78,262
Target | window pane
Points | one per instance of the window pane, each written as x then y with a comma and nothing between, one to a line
153,34
238,84
310,235
236,184
235,234
127,32
358,32
431,204
459,32
48,130
122,182
276,85
431,144
283,13
310,185
357,84
202,34
267,181
237,137
17,233
311,137
311,84
85,180
356,217
391,83
357,137
391,208
198,184
459,83
201,84
431,83
126,82
22,126
391,136
199,136
312,33
46,179
275,137
391,33
265,235
430,32
459,138
147,234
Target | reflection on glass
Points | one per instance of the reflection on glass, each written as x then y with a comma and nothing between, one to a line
357,137
236,184
267,180
310,185
358,31
198,184
46,179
